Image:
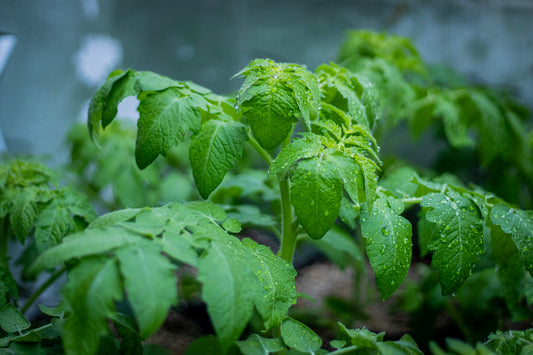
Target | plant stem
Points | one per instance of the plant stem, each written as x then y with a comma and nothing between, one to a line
288,235
411,201
42,288
264,154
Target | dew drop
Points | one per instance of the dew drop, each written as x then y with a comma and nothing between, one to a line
385,231
326,213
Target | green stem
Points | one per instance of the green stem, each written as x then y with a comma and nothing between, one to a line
264,154
411,201
42,288
288,235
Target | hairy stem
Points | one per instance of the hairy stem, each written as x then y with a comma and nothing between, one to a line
288,235
42,288
264,154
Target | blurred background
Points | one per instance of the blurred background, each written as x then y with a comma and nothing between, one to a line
60,51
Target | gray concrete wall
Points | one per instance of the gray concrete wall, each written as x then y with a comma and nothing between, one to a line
66,47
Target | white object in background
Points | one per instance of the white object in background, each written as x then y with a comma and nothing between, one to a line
7,43
97,57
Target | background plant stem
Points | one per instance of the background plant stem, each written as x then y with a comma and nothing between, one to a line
42,288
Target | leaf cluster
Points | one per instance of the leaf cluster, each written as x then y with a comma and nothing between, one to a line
469,117
110,167
134,253
456,225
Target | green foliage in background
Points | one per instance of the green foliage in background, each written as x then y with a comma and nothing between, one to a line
322,181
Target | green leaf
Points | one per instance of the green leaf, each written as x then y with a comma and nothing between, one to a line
406,345
8,286
88,242
58,311
207,210
213,152
273,96
12,320
150,81
511,342
388,246
228,289
208,345
298,336
303,148
362,338
251,215
232,225
178,248
89,295
510,269
519,224
114,218
350,174
51,225
454,128
257,345
150,283
124,86
23,349
165,118
24,211
457,239
270,113
99,101
316,192
276,278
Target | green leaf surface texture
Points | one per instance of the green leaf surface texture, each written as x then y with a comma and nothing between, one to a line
89,298
55,218
150,284
349,92
228,289
302,148
388,246
8,286
236,276
164,120
273,96
24,211
276,278
457,238
168,110
12,320
88,242
33,203
99,102
519,225
316,192
257,345
214,151
298,336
